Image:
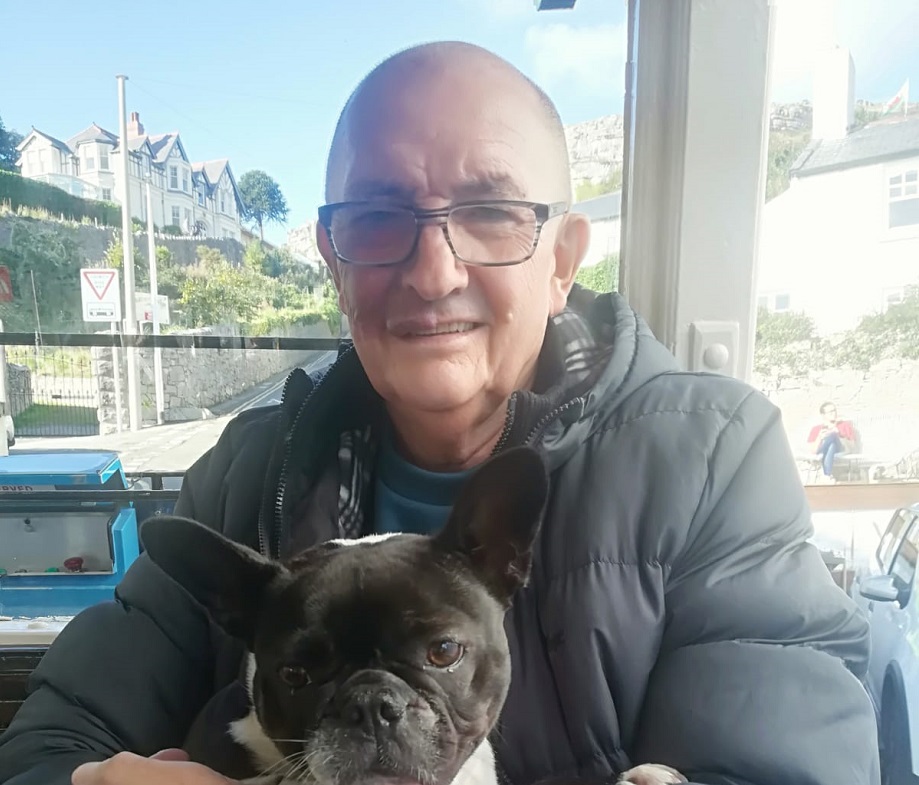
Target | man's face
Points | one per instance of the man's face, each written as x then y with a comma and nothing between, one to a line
829,415
453,135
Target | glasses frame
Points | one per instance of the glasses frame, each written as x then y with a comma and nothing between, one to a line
542,211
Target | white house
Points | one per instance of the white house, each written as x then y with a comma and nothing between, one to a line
193,196
843,240
603,212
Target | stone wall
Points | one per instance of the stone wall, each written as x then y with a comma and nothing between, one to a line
194,380
19,379
93,241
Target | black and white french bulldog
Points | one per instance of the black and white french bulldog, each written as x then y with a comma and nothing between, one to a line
378,661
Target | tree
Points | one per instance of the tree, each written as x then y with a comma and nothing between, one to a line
216,292
609,184
8,154
784,149
787,345
262,200
602,276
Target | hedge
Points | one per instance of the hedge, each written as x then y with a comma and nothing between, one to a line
23,192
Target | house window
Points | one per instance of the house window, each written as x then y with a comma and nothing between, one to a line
903,196
106,194
174,178
176,216
782,303
223,206
188,219
103,160
762,302
185,181
90,161
201,198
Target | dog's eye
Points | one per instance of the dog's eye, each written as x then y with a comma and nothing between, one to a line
294,676
445,654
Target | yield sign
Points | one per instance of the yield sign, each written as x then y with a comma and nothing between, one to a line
99,281
100,295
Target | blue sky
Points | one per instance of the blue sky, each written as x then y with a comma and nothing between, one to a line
262,83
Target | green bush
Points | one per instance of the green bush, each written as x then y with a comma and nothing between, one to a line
22,192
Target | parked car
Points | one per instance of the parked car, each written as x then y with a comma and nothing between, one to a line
887,593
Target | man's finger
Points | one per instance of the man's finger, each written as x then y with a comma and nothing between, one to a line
128,769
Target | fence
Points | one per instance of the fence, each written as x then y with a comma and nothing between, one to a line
58,397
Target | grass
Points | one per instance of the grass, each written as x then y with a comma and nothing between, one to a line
42,414
71,363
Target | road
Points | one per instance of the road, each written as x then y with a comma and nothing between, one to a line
173,446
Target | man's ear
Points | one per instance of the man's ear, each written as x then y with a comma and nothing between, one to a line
331,261
228,579
571,244
495,520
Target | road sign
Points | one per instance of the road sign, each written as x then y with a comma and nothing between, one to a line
101,295
144,308
6,286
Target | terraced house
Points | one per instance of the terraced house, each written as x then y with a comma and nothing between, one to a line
199,198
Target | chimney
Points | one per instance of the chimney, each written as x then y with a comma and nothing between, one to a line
134,125
834,94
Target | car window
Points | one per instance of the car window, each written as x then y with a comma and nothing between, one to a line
892,537
903,568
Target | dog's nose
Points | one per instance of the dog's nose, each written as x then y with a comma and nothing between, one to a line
373,709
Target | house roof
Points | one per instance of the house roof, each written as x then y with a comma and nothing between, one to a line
54,142
95,133
162,145
212,169
605,207
881,141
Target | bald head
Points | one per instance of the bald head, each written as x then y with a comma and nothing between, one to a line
428,66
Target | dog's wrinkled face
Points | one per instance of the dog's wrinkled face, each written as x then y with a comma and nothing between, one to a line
384,659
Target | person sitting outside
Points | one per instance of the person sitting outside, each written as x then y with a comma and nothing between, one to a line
831,438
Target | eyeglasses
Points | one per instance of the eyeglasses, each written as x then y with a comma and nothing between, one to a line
492,233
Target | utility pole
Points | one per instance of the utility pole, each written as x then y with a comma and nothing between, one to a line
127,242
154,307
6,402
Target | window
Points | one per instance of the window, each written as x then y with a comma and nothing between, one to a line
90,160
892,537
782,302
188,218
176,216
223,206
103,159
106,194
185,180
41,161
903,568
174,178
201,198
903,195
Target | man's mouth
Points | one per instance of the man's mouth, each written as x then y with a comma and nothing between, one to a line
440,329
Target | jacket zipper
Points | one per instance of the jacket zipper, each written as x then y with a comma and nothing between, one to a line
543,422
285,465
262,544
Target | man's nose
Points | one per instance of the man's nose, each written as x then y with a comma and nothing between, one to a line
434,272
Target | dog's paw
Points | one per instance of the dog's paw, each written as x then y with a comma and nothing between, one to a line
651,774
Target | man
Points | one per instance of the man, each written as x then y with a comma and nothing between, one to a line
831,437
675,615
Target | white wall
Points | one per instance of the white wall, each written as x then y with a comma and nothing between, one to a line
604,241
826,243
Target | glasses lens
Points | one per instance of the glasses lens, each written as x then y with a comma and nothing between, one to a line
492,234
373,234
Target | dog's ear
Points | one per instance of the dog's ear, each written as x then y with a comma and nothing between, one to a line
496,518
228,579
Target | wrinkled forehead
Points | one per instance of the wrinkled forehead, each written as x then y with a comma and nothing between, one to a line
443,133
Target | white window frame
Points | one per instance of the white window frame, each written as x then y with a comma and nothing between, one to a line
106,194
103,160
173,178
694,173
899,189
176,215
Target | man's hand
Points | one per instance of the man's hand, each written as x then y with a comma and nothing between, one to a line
169,767
651,774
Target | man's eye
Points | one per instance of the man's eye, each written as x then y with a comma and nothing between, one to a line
445,654
294,676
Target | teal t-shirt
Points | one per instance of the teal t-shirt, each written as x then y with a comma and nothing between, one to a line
408,499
